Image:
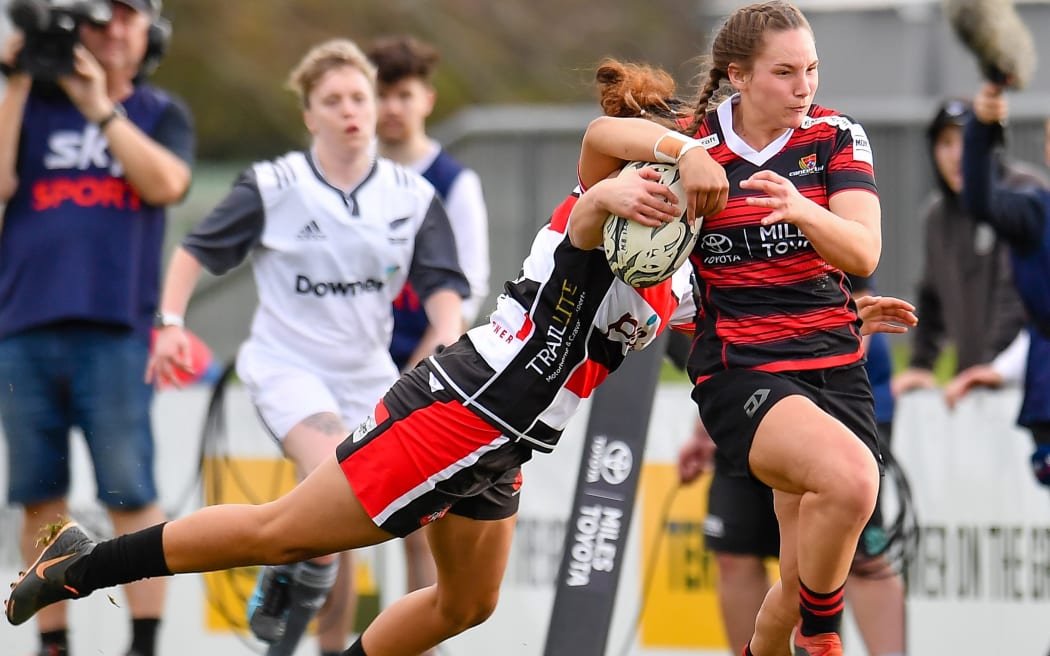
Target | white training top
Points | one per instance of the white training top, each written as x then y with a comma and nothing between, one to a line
328,264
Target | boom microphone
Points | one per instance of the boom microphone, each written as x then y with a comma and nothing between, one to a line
993,31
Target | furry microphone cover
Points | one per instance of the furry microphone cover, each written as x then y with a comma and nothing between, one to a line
994,32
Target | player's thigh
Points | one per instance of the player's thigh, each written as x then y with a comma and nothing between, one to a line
799,447
321,515
314,440
471,557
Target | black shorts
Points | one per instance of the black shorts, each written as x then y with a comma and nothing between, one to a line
733,403
422,454
741,520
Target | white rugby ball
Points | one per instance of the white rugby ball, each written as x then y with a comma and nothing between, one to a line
642,256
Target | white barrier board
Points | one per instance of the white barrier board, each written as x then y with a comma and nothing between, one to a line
982,584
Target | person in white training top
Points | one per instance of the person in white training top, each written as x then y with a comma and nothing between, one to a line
333,233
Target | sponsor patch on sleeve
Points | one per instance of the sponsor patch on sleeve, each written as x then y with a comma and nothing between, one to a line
861,145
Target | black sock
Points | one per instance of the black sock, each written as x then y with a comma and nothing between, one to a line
355,649
821,611
54,643
144,636
124,559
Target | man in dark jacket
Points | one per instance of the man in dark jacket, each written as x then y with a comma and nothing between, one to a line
966,295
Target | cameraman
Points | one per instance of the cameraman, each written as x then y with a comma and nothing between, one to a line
88,163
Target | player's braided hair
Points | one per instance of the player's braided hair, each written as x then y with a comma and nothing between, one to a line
739,41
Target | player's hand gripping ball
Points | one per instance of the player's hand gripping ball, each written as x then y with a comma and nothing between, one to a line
642,256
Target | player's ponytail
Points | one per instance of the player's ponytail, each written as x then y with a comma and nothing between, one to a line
637,90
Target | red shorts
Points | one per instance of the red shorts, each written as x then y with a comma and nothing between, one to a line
423,454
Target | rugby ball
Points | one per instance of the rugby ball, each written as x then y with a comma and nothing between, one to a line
642,256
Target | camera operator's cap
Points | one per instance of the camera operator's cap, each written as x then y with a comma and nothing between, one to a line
954,111
151,7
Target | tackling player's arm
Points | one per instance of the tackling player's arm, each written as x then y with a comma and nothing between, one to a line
636,195
611,141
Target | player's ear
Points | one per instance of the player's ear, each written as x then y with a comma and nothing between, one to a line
738,77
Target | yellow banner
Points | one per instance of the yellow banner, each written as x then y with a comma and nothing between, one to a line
681,603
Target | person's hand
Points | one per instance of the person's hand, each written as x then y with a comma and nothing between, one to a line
12,46
639,196
912,379
705,183
170,354
990,105
697,455
885,314
780,197
86,87
980,375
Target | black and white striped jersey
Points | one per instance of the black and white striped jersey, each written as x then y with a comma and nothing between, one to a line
558,330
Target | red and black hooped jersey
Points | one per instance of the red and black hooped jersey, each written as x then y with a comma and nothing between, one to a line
768,300
558,330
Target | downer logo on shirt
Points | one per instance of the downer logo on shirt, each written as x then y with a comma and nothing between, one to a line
303,285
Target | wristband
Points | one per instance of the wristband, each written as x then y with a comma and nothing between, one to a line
118,112
165,319
670,151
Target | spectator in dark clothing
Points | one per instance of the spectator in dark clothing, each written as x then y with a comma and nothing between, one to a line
1020,217
966,272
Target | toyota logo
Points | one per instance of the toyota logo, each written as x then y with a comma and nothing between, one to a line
717,243
617,462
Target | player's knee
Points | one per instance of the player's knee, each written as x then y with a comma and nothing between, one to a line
463,613
856,485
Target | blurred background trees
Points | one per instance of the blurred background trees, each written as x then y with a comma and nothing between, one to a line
229,58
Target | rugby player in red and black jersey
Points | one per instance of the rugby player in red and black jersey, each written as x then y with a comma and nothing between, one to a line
444,445
777,358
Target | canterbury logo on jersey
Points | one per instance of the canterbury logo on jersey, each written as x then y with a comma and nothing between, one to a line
303,285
